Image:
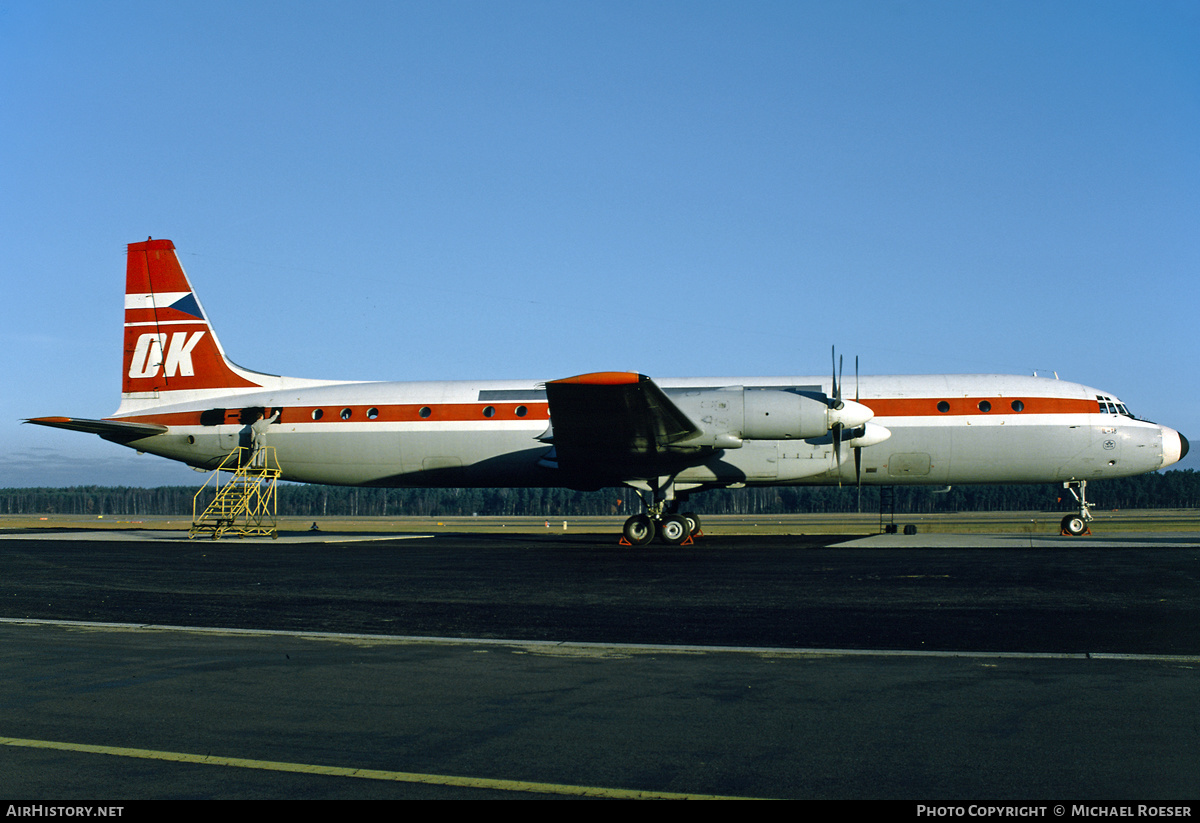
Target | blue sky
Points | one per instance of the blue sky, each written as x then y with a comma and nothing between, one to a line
458,190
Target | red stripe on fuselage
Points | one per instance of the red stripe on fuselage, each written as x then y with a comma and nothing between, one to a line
960,406
406,413
458,412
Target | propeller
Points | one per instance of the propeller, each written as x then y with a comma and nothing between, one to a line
845,414
835,430
857,449
848,422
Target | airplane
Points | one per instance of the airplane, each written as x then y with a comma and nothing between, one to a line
666,439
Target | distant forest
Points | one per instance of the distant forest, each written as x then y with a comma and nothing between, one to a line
1165,490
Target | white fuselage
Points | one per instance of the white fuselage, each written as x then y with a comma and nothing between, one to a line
944,429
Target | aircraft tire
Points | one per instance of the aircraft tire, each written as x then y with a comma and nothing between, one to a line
639,530
1074,525
693,523
673,529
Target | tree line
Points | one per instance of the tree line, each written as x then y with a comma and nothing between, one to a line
1178,489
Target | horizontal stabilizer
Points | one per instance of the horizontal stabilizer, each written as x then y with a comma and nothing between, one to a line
108,429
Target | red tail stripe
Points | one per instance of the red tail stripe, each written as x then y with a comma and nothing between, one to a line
161,315
153,267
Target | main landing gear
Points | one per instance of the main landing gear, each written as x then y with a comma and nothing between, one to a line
662,518
675,529
1074,525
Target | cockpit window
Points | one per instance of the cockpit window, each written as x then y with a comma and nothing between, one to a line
1109,405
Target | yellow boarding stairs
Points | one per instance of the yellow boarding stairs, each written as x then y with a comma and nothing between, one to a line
245,504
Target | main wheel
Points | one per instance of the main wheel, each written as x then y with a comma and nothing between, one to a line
674,529
1074,525
693,523
639,530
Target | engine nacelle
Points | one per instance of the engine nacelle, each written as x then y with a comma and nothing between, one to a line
729,416
769,414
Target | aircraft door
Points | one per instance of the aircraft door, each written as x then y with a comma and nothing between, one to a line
228,424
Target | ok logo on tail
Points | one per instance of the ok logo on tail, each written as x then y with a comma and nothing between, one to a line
148,354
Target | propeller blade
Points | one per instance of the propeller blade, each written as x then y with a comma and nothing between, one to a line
857,449
837,387
858,474
836,432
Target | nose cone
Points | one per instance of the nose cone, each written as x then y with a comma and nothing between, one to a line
1175,446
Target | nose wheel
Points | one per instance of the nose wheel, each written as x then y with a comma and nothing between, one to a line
1076,525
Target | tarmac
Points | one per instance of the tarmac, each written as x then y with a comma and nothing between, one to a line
1176,539
915,668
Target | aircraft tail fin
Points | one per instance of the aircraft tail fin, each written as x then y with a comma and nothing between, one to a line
170,351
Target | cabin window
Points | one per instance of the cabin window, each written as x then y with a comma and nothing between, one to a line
943,406
985,406
425,411
372,413
1017,406
489,411
522,411
317,414
346,414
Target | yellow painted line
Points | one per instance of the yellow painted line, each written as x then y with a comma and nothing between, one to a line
368,774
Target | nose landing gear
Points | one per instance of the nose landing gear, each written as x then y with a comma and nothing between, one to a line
1076,525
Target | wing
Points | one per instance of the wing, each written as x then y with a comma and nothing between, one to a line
108,429
617,425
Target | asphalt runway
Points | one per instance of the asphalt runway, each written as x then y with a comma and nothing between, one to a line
945,668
